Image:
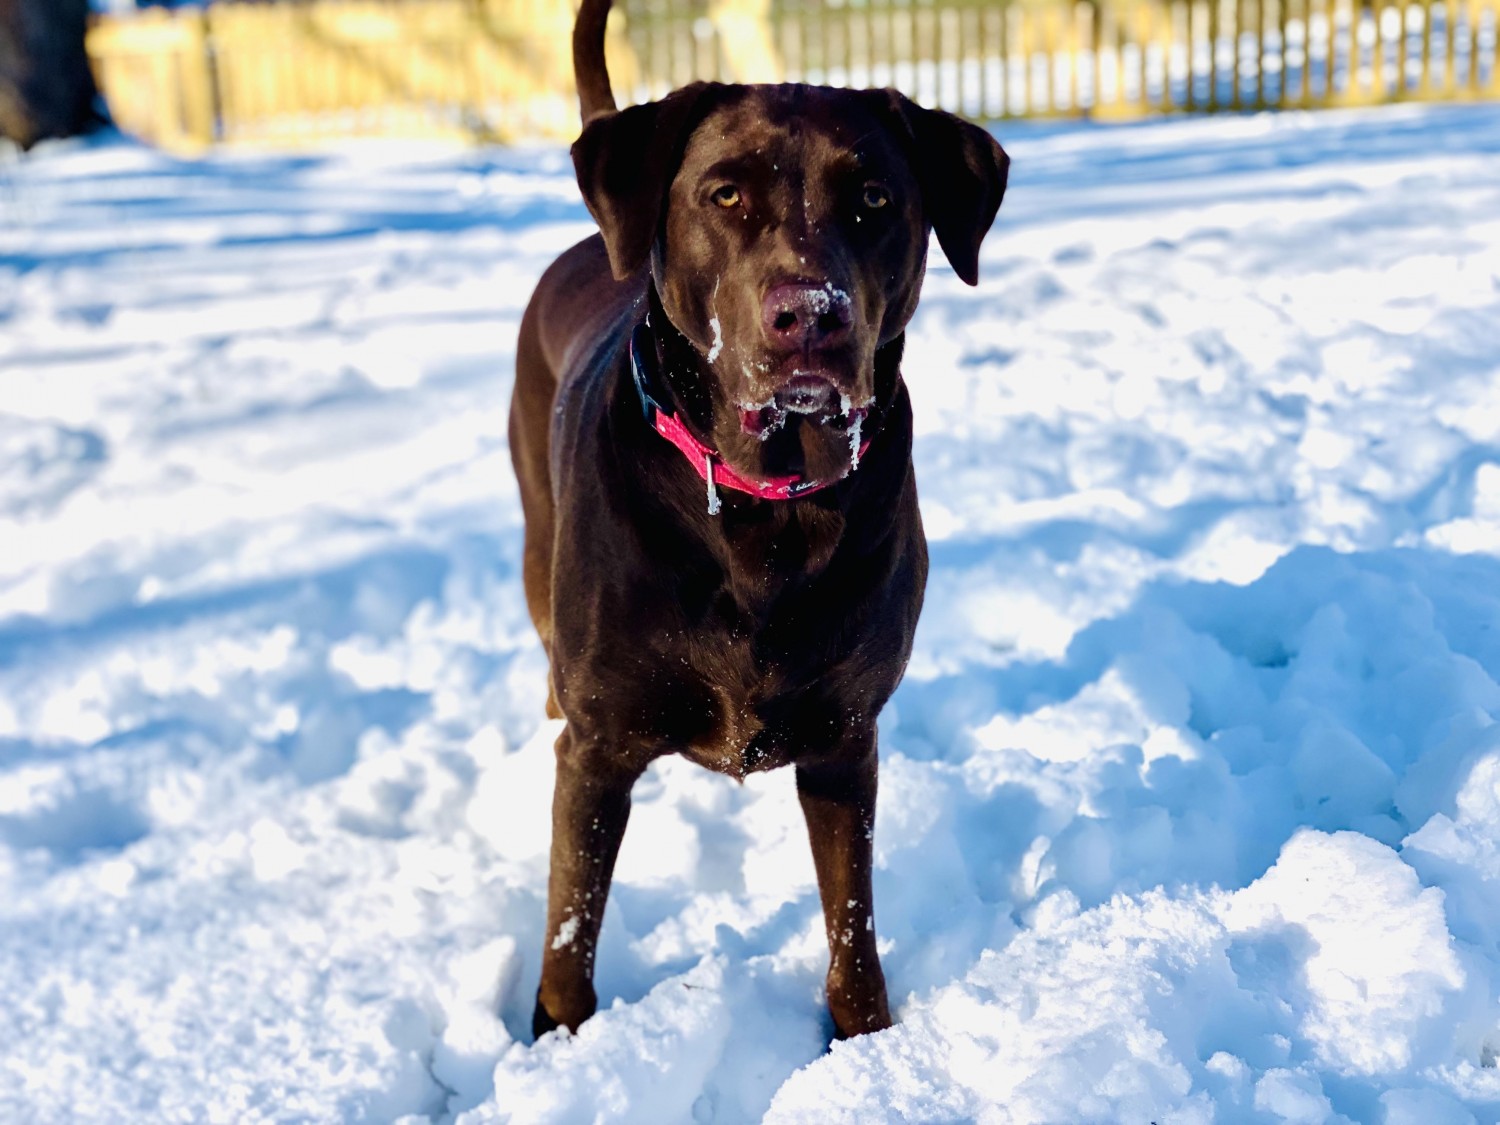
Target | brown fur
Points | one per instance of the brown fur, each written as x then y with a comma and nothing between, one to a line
771,633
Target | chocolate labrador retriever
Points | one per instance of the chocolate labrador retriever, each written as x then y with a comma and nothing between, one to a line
723,553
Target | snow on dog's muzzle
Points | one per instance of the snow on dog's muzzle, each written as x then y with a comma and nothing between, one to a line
808,394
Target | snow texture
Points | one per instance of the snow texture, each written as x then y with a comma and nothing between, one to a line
718,344
1190,805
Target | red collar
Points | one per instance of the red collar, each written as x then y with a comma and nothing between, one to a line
709,464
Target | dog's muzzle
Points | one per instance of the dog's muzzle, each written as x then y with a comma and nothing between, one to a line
807,394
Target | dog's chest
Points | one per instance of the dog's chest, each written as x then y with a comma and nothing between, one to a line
754,691
769,647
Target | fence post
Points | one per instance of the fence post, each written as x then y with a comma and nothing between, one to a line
1494,49
1104,31
744,28
1472,16
1169,28
1078,13
1145,36
1282,71
1215,33
1236,31
1424,78
1260,54
1304,88
1450,68
197,78
1390,90
1402,51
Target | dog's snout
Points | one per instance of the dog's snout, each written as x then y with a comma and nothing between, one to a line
799,315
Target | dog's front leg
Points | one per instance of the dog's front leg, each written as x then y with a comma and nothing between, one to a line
838,801
590,806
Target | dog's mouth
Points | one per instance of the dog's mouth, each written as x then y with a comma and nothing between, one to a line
812,397
807,394
809,400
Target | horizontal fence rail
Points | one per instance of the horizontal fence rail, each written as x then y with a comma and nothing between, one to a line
500,69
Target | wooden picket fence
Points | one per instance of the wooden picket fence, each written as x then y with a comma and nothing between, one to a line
284,73
288,73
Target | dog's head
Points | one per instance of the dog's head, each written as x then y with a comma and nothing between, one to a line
786,229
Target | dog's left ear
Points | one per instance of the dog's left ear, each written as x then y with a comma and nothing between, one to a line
625,162
962,172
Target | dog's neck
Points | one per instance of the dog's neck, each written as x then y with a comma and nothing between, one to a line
682,367
761,545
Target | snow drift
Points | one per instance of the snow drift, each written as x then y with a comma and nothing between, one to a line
1191,798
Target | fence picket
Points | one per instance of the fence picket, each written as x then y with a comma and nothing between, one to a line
1263,50
1471,18
1144,28
1214,11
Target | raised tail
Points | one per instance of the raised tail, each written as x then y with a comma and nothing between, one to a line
595,97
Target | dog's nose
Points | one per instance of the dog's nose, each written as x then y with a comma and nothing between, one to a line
798,314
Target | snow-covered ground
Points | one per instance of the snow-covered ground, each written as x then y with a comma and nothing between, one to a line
1190,805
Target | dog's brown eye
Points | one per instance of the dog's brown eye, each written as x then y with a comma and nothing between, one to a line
726,196
875,197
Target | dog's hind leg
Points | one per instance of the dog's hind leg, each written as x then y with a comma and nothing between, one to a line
530,439
838,801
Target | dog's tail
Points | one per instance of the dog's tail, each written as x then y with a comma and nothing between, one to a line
595,97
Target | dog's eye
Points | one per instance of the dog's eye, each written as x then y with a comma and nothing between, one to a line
726,196
875,197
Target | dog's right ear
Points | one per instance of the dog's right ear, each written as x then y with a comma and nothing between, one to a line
625,162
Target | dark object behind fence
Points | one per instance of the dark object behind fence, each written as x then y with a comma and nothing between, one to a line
46,86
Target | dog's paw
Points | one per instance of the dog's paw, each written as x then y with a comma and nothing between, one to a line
541,1020
567,1011
859,1010
852,1027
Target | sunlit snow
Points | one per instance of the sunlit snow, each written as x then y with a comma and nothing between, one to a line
1190,802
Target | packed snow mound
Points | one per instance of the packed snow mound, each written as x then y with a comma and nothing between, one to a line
1190,802
1337,950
